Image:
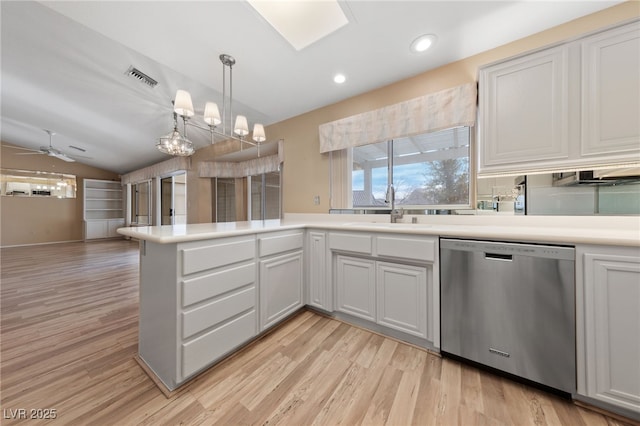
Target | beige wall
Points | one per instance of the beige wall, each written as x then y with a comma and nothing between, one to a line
306,172
26,220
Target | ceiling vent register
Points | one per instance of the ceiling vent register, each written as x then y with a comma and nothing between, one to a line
140,76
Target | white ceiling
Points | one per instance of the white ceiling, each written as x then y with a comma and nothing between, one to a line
63,63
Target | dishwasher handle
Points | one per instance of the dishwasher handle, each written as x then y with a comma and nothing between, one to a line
498,256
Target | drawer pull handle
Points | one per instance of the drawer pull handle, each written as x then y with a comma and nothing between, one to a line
497,256
501,353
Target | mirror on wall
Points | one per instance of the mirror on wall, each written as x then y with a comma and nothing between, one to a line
29,183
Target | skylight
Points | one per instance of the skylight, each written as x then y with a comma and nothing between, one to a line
302,23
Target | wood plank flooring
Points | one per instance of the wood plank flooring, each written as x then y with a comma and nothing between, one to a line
69,337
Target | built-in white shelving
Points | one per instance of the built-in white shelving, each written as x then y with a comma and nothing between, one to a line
103,208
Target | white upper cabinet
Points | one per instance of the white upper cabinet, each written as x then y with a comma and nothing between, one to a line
611,92
576,105
524,110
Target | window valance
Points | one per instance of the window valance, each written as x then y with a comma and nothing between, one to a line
429,113
159,169
251,167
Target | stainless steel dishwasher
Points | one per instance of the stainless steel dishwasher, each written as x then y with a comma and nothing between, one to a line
510,307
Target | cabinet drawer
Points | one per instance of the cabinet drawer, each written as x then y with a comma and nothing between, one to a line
216,254
273,244
357,243
213,313
407,248
212,285
209,347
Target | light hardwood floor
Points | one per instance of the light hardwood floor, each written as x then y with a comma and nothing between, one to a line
69,333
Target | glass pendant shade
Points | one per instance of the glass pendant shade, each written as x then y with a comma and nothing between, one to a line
212,114
174,144
258,133
183,105
241,128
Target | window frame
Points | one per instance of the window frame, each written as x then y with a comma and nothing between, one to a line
347,182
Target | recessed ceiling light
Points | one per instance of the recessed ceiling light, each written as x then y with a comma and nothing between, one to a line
422,43
339,78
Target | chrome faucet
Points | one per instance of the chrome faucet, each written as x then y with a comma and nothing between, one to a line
391,199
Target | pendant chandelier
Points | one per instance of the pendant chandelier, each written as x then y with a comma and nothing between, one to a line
176,144
173,143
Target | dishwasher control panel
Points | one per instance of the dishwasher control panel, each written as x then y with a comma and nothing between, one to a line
494,247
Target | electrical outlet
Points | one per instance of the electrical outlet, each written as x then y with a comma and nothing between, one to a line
316,200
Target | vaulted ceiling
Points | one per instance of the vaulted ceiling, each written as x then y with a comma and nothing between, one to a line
64,63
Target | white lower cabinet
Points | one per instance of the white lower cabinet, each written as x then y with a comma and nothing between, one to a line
197,304
102,228
94,229
280,287
356,287
319,286
402,297
608,327
281,273
388,280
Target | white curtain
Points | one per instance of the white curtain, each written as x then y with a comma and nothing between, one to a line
429,113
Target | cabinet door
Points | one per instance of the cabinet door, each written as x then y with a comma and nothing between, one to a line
280,287
402,298
524,111
319,285
356,287
114,224
611,93
609,327
96,229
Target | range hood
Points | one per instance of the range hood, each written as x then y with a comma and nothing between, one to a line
617,176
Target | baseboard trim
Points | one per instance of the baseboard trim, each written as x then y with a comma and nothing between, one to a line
149,372
42,244
620,417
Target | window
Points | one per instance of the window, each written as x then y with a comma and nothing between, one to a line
427,171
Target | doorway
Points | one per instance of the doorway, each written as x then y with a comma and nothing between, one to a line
173,199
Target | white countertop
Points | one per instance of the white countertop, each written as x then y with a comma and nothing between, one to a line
166,234
611,230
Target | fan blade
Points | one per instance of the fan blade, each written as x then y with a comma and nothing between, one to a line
19,147
30,153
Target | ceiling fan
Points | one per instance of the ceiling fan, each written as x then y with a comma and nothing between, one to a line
48,150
